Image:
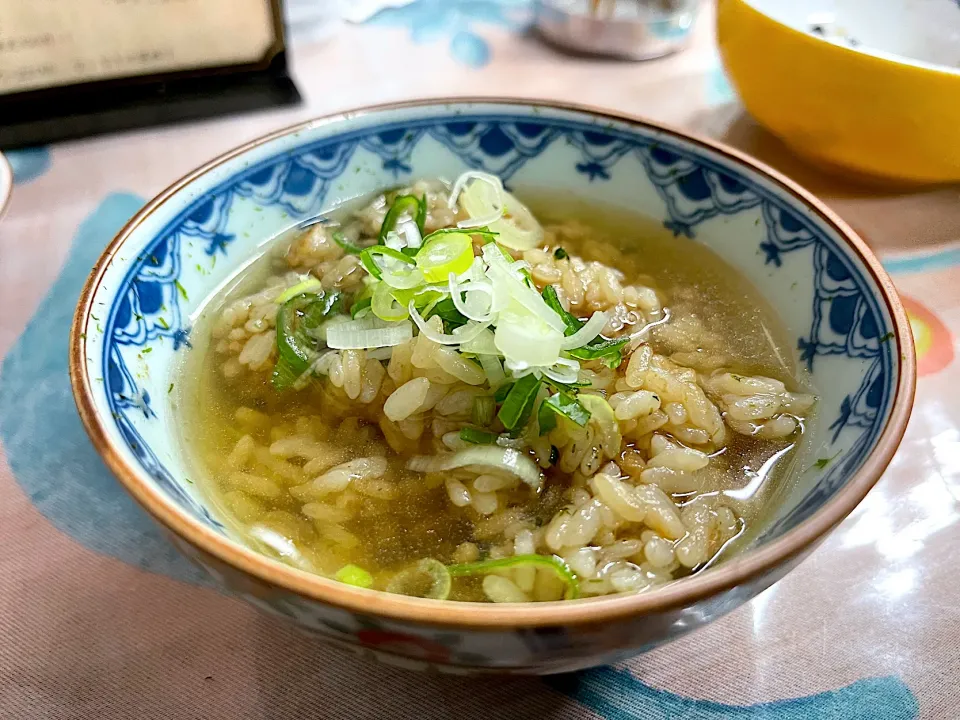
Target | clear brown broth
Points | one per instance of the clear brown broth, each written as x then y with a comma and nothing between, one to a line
420,522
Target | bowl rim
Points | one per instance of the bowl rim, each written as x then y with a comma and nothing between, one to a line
488,616
904,61
6,184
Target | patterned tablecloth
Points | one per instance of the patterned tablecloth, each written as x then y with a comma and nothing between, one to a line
100,618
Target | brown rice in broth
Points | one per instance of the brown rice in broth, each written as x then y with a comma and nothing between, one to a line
318,478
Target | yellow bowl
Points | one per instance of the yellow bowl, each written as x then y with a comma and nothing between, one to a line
875,112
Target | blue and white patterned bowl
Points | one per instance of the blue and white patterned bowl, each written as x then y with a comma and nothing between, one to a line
829,291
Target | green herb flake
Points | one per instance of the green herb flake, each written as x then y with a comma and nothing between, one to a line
501,394
170,389
146,350
887,337
182,290
518,405
561,404
560,254
823,462
163,323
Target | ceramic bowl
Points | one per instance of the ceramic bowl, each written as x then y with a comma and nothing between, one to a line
829,291
870,88
6,184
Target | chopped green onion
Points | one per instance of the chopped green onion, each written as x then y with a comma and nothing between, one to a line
296,347
346,245
421,218
410,204
385,306
560,254
429,578
484,232
478,437
359,307
561,404
484,409
354,575
448,253
516,408
368,255
307,286
546,562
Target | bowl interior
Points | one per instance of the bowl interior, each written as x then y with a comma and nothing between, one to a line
181,248
927,31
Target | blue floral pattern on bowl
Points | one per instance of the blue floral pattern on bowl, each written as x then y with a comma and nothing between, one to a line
824,293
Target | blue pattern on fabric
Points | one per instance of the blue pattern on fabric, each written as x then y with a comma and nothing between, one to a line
28,164
46,446
940,259
432,20
617,695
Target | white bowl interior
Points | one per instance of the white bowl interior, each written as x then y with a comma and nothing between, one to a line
927,31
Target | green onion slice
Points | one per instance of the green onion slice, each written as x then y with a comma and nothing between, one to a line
296,347
484,232
410,204
354,575
546,562
385,306
483,411
368,258
445,254
309,285
429,578
348,247
478,437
